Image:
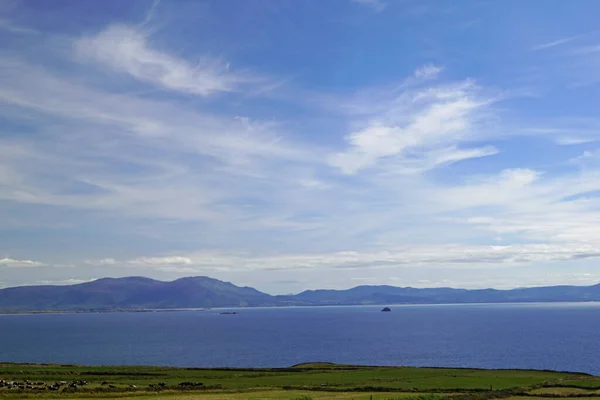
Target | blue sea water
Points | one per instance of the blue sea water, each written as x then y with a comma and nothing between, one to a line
562,336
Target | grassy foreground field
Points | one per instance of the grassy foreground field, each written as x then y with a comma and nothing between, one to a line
301,382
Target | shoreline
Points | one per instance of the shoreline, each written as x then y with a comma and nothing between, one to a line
152,310
309,365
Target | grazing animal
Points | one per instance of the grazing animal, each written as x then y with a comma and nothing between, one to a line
193,384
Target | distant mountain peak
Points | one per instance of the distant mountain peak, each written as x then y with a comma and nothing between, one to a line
137,292
195,278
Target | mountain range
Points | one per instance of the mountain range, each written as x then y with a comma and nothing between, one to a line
138,293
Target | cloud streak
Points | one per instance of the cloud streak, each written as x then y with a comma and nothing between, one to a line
126,50
12,263
555,43
448,256
16,29
422,128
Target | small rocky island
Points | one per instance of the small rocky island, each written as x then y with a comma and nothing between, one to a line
386,309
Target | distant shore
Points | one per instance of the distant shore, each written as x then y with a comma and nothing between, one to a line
153,310
137,293
4,312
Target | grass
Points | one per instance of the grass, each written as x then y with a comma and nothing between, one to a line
300,382
591,383
565,391
270,395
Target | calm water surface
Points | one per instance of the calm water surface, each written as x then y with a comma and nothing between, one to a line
542,336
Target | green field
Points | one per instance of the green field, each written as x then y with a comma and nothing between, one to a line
306,381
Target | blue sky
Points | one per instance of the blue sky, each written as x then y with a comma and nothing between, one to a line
290,145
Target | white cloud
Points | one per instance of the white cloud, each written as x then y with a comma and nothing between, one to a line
104,261
554,43
428,71
454,265
445,256
62,282
169,146
124,49
12,263
11,27
452,154
150,12
422,162
177,260
529,206
569,140
564,130
143,261
419,123
177,264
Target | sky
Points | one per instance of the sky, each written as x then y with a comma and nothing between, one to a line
301,144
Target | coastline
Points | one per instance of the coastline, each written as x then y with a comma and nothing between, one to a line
309,365
153,310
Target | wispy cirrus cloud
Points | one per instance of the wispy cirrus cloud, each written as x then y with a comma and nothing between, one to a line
124,49
555,43
161,260
446,256
16,29
529,205
12,263
420,128
62,282
164,142
428,71
162,263
455,265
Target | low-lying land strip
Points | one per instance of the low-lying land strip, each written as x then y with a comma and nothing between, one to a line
304,381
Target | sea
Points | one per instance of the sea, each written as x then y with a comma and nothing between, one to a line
553,336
